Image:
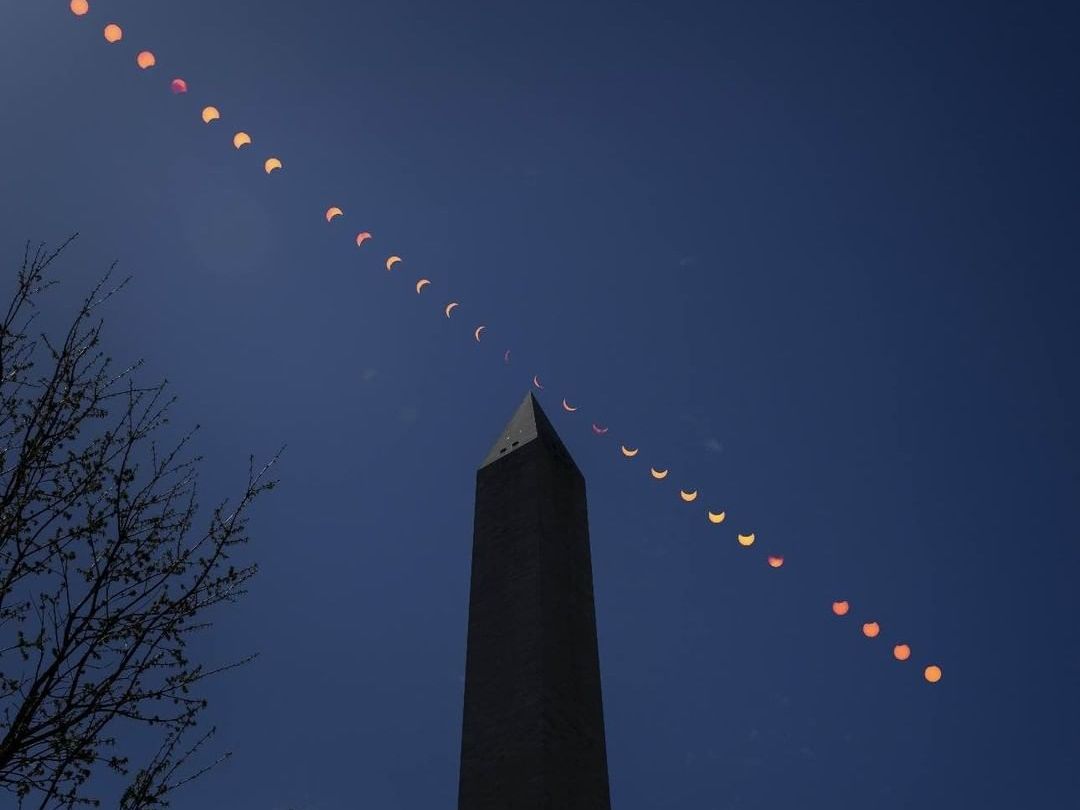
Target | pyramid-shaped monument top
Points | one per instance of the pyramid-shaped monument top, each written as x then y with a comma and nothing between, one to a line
528,424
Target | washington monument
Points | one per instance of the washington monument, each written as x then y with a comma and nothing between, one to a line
533,725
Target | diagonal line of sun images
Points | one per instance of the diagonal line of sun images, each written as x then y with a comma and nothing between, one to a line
146,60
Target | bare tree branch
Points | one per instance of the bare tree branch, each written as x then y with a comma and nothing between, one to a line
104,577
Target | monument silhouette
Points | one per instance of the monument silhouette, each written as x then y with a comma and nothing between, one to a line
533,723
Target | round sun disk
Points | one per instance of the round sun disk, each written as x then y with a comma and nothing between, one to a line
145,60
113,33
840,608
901,652
871,629
79,7
932,673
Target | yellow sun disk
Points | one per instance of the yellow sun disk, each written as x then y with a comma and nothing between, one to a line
716,517
271,164
688,496
658,474
901,652
840,608
392,261
932,673
145,60
747,539
79,7
210,114
113,33
629,452
333,211
241,139
871,629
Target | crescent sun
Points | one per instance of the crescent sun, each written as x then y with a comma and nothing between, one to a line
450,308
629,452
362,237
241,139
506,357
747,539
536,382
392,261
333,211
272,164
716,517
599,431
210,114
421,284
568,407
688,496
658,474
476,334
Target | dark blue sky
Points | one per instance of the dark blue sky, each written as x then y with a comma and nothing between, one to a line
817,258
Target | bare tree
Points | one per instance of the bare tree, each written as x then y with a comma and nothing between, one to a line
103,575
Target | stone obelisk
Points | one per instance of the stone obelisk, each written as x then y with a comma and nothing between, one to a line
533,726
